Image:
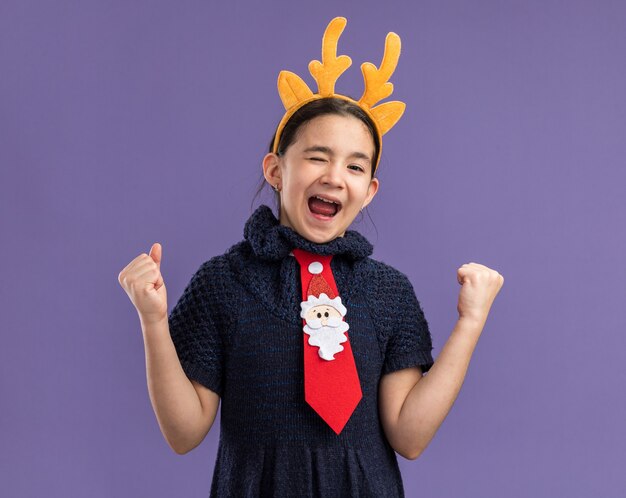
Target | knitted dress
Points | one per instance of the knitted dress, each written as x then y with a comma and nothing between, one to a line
237,330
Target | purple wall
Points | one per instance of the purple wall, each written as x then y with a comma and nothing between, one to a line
128,123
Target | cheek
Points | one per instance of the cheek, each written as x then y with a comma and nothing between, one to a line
296,188
361,190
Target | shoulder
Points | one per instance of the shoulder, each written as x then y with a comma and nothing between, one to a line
388,288
385,276
212,270
216,277
220,267
215,284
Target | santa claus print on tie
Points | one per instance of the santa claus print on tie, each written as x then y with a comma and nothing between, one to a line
325,325
331,380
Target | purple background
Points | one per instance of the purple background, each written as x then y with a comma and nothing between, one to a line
128,123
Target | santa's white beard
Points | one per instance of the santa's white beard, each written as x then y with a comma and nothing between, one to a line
327,338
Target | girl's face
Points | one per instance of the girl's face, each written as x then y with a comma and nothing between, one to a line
324,177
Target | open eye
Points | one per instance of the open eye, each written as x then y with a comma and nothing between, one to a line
356,167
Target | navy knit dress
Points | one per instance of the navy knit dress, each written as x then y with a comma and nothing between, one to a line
238,331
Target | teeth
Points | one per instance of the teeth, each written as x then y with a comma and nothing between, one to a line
325,200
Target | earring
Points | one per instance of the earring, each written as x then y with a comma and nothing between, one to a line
276,189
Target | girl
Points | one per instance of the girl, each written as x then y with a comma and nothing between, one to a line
319,409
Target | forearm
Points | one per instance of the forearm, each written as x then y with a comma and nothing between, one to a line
430,400
174,399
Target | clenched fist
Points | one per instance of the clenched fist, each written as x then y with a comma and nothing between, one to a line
480,286
142,281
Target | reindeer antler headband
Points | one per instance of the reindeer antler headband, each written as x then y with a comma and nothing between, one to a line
295,93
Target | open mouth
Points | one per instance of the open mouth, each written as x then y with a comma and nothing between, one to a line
324,207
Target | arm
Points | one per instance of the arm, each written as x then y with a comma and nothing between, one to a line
185,409
413,406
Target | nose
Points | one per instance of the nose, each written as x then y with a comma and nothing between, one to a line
332,176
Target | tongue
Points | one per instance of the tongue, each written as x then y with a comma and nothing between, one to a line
320,207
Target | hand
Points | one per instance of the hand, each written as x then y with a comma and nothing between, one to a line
142,281
480,285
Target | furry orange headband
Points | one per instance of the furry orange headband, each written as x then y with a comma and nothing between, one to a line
295,93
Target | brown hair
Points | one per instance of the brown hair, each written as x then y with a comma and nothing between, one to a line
321,107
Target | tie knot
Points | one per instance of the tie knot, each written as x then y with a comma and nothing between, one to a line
314,263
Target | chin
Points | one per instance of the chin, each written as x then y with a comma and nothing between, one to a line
314,231
318,238
322,236
319,235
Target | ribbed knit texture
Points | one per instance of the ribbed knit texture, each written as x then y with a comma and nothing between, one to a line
237,330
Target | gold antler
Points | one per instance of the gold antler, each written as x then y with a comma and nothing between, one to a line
327,72
378,87
295,93
292,89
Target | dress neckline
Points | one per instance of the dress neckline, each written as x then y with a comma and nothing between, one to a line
272,241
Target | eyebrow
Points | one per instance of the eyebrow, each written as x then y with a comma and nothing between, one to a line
329,151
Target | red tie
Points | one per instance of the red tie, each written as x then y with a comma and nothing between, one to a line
331,382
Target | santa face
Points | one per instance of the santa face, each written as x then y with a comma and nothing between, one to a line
319,316
326,330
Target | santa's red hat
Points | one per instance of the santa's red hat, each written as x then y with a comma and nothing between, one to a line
320,293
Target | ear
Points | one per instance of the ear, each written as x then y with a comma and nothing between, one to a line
371,191
271,170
